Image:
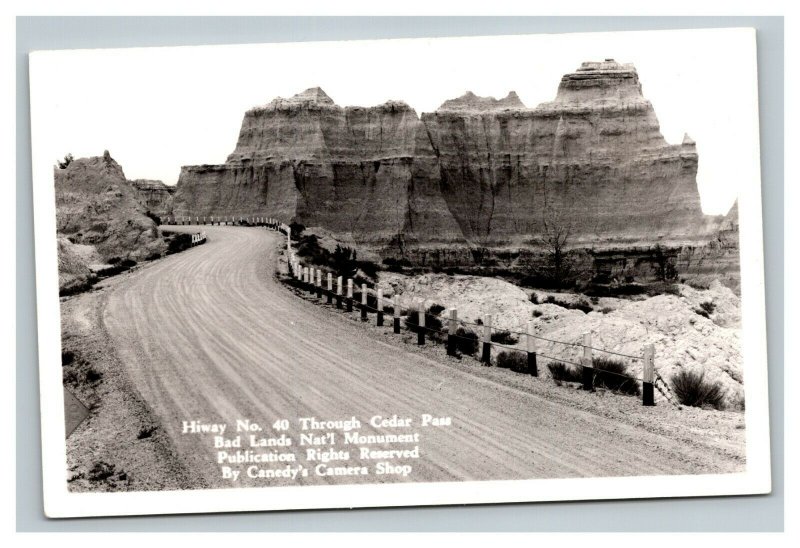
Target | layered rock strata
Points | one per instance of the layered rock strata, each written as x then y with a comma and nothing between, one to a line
478,176
154,195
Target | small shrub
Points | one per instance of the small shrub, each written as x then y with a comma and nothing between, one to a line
146,432
504,336
67,357
708,307
563,372
537,313
606,309
296,228
613,374
436,309
479,322
701,312
594,299
692,389
179,242
534,298
92,375
101,471
67,161
368,267
155,218
467,341
515,361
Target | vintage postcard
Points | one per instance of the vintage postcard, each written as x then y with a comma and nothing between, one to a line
400,272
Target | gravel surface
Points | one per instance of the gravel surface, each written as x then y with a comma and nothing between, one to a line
211,334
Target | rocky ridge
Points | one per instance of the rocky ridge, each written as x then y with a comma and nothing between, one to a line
478,177
99,220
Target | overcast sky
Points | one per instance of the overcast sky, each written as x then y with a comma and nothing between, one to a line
156,109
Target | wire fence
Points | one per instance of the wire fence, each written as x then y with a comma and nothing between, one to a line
325,281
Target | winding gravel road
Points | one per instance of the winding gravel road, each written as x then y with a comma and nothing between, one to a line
210,335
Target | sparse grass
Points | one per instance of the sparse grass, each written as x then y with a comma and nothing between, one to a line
504,336
562,372
582,304
693,390
515,361
613,374
606,309
663,288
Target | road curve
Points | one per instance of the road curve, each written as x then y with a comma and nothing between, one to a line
210,335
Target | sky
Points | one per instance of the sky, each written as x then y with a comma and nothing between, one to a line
157,109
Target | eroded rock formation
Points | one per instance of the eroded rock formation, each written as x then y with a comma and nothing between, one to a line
476,176
154,195
96,207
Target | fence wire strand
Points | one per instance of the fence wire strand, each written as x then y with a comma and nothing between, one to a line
408,311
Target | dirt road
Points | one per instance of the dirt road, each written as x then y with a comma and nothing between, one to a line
210,335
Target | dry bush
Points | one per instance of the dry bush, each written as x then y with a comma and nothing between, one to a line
515,361
613,374
693,390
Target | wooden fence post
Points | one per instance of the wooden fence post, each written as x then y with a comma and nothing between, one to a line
349,294
305,275
379,306
364,302
330,288
319,283
396,314
648,376
339,292
533,367
588,367
421,323
451,332
486,354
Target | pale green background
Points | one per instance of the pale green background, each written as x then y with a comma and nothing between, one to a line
754,513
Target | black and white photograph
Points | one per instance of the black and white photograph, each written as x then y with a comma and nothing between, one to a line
400,272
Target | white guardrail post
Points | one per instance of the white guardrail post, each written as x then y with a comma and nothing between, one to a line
452,326
533,368
486,353
586,362
648,376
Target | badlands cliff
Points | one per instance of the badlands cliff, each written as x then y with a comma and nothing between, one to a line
478,174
